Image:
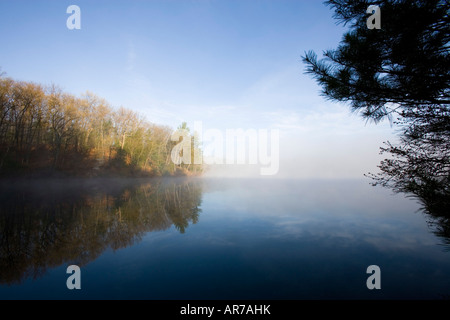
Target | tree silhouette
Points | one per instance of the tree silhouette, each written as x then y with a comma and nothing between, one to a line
400,72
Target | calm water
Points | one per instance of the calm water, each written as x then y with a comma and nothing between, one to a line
217,239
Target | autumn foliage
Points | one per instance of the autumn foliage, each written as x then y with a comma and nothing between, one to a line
45,131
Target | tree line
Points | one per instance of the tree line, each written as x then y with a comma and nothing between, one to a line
43,129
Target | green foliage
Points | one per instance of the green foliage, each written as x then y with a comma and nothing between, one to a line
400,72
386,72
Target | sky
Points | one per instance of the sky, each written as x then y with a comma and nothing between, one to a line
228,64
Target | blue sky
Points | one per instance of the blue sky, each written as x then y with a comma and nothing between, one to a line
227,63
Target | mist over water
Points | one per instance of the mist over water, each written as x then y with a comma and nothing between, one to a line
216,238
314,150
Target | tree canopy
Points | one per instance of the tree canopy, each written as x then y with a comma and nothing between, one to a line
400,72
43,129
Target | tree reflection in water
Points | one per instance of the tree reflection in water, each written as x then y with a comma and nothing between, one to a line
45,224
433,196
436,207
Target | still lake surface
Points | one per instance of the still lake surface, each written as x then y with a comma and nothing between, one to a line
193,238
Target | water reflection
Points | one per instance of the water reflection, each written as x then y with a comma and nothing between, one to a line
257,239
431,189
436,207
47,224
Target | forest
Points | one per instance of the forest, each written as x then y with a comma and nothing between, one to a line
46,131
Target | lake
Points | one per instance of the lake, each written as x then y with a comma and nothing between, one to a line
206,238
